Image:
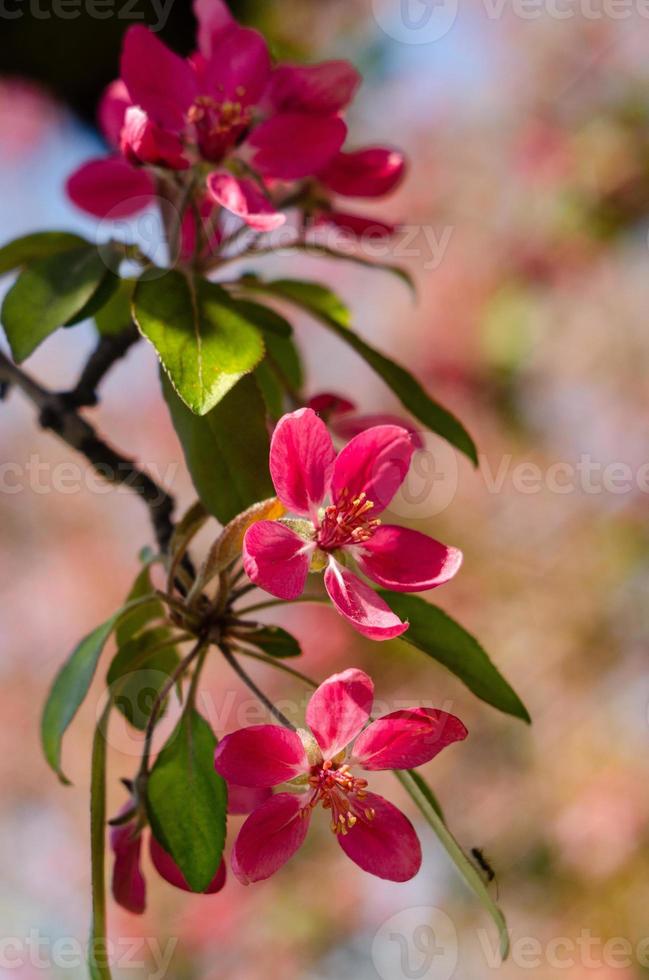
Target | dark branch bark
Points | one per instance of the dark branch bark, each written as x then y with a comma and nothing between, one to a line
57,415
109,350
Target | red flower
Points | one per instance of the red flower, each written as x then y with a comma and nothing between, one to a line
361,480
319,764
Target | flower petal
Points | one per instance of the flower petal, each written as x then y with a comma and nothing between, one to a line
214,19
302,459
239,66
375,462
269,837
245,799
338,710
407,738
360,605
128,884
387,845
372,172
347,426
244,199
407,561
293,145
260,756
112,109
160,81
110,188
143,141
276,559
323,88
326,403
169,870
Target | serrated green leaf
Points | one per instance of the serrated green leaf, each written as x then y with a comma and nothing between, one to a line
463,864
187,801
70,688
49,293
327,307
204,341
226,450
22,251
274,641
433,632
139,671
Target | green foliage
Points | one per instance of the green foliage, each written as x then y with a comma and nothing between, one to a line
187,800
139,671
274,642
434,632
21,251
115,316
52,291
204,338
227,449
329,309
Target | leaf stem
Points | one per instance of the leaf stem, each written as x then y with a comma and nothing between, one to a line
271,603
250,684
279,665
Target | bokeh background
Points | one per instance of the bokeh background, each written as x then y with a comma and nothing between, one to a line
527,204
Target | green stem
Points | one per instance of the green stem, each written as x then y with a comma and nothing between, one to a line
97,949
250,684
279,665
271,603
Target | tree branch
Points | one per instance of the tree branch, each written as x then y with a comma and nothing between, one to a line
108,350
57,415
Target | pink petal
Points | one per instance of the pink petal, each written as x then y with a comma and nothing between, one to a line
157,79
407,561
348,426
406,739
169,870
323,88
326,404
374,462
386,846
302,459
269,838
110,187
338,710
244,199
276,559
239,66
260,756
142,141
245,799
112,109
293,145
128,884
357,225
372,172
360,605
214,19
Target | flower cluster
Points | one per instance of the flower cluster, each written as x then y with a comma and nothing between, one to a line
361,481
318,768
233,131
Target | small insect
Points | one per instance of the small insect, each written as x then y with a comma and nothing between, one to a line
482,863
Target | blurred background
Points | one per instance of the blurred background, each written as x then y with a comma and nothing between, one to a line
527,220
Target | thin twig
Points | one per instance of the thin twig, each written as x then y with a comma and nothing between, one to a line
250,684
60,418
108,350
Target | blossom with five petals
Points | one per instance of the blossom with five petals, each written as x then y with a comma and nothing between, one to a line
320,765
361,480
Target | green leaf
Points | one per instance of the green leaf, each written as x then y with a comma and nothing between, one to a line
325,252
427,792
226,450
274,641
327,307
271,388
49,293
187,801
41,244
70,689
115,316
263,317
97,301
131,622
464,865
98,961
435,633
139,671
284,357
204,342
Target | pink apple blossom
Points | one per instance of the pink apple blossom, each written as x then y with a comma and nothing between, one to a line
368,173
361,481
319,766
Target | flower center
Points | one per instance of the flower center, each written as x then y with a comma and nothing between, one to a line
337,790
218,124
347,522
